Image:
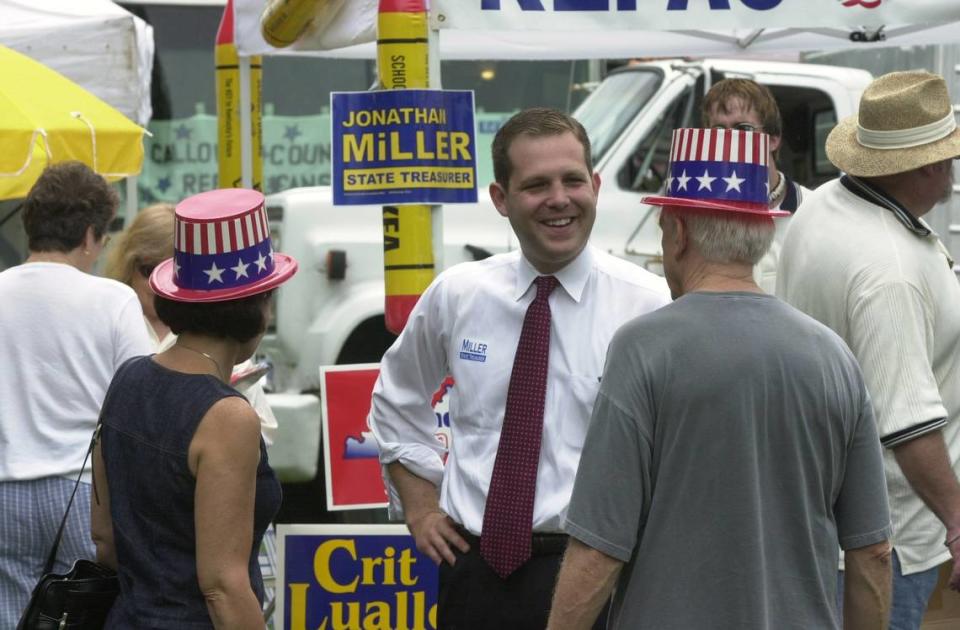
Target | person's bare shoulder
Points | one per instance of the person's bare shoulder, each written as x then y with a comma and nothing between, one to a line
230,428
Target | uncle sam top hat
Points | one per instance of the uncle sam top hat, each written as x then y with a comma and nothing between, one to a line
718,169
222,250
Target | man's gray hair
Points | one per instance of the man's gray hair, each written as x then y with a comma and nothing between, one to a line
727,237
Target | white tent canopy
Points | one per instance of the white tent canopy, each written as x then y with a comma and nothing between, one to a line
95,43
539,29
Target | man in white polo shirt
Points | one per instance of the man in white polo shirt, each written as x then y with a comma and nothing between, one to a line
859,258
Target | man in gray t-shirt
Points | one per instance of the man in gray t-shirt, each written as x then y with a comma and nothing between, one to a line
732,449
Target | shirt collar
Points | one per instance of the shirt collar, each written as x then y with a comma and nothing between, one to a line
791,199
878,197
573,278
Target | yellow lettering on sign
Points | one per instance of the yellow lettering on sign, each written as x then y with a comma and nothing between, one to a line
441,145
459,141
407,560
357,152
336,613
403,177
321,566
298,606
422,152
395,116
377,617
395,152
442,153
387,562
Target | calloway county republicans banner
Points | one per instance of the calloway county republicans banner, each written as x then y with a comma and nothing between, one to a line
353,577
648,15
403,147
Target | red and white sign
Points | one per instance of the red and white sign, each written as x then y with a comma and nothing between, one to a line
350,457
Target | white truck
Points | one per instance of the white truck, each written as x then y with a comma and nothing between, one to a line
332,311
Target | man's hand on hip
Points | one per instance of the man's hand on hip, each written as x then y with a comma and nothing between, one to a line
430,527
434,533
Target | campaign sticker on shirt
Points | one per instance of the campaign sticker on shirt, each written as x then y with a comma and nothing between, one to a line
350,454
353,576
473,350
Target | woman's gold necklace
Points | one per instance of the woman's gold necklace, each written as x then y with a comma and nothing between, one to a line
220,371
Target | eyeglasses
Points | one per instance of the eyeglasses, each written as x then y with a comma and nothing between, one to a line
739,127
146,270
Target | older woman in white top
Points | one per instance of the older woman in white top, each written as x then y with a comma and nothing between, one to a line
63,333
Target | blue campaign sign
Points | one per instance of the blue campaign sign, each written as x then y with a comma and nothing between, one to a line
403,147
354,577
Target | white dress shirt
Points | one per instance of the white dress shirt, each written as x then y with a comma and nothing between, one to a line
467,324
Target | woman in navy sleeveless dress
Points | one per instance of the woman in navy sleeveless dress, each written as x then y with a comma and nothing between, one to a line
183,488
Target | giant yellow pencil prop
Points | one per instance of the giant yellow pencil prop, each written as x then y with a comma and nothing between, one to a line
229,110
408,265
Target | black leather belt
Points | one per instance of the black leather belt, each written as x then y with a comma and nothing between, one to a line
540,544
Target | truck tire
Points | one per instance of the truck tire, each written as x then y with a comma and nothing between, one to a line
367,343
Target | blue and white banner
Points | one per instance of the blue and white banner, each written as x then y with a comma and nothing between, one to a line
647,15
609,29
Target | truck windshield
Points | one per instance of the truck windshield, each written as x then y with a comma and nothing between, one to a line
614,104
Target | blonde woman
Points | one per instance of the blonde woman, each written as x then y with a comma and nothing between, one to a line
137,251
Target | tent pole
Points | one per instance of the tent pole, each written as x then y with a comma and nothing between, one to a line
246,125
132,201
433,79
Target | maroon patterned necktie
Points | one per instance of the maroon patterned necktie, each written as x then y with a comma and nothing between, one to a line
508,517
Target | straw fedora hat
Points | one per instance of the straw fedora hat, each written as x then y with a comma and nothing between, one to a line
905,121
222,250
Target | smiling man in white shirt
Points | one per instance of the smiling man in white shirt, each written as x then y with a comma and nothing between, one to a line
527,370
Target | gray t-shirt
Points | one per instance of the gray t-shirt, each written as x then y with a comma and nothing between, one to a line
732,448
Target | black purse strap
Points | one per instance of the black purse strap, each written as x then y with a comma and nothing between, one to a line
52,558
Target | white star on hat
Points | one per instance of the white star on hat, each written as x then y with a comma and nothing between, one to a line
176,268
241,269
261,262
213,274
683,179
669,183
706,181
733,182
